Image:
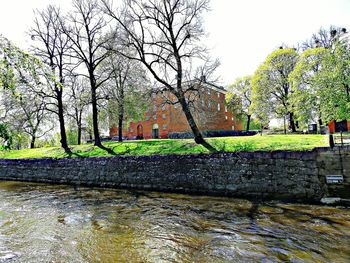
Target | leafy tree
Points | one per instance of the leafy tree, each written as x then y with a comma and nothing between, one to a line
6,137
29,115
25,110
15,64
334,83
239,98
305,98
271,89
165,36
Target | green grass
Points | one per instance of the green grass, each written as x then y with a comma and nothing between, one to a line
188,146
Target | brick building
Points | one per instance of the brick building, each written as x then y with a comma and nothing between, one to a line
161,119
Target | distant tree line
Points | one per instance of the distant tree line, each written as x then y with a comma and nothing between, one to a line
304,85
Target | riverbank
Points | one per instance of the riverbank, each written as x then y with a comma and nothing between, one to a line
182,147
280,175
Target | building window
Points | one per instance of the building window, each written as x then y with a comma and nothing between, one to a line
209,91
147,118
226,117
164,127
163,107
225,108
175,106
131,130
154,117
219,107
233,127
209,105
153,95
232,118
155,108
164,116
218,94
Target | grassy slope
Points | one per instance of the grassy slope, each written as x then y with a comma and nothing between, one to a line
152,147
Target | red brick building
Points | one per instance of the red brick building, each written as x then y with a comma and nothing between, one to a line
161,119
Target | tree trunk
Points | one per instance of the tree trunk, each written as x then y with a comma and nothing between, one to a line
320,123
63,140
95,112
120,115
248,122
284,124
120,127
291,122
198,137
32,142
78,120
79,134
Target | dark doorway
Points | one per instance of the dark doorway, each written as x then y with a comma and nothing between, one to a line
155,131
139,132
341,126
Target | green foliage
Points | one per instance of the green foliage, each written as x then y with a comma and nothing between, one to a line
321,84
254,124
305,98
334,82
6,137
135,104
185,146
270,85
7,76
72,136
238,98
20,139
16,65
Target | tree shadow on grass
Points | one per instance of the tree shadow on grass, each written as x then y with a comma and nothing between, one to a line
209,147
108,150
72,154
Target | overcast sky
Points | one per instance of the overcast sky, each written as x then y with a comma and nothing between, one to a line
241,32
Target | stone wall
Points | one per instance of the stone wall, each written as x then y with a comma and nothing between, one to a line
335,162
277,175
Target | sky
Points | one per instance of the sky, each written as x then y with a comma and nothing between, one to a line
241,33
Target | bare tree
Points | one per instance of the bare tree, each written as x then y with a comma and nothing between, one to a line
165,37
86,28
323,38
127,78
52,46
79,97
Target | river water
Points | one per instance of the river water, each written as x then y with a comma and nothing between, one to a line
47,223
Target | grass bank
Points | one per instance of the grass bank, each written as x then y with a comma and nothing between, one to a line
187,146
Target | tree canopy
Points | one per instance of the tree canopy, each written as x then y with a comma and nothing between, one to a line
271,89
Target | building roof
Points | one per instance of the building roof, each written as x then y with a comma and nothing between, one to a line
208,84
